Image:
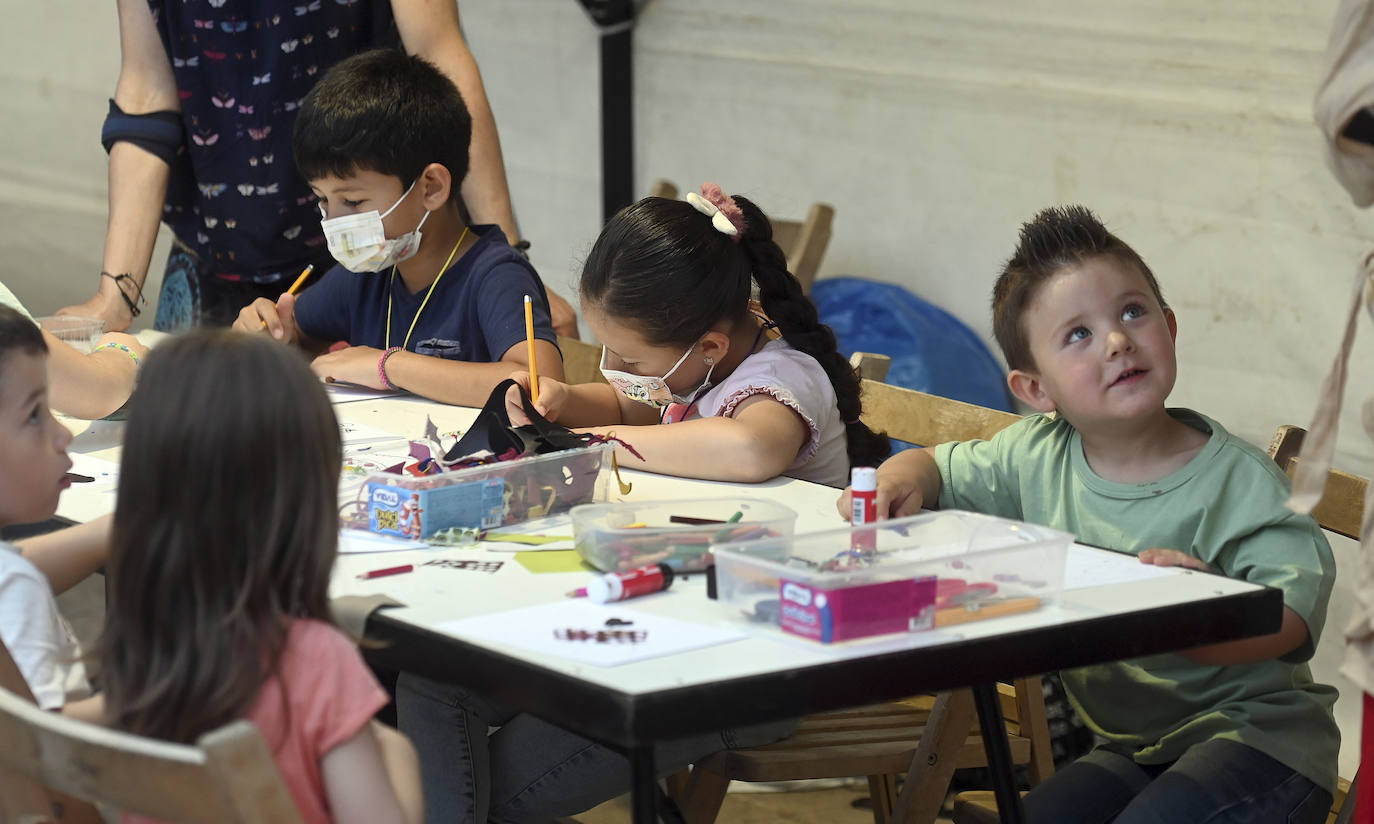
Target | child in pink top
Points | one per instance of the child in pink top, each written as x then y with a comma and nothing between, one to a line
218,589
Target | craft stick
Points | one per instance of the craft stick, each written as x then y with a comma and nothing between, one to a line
985,609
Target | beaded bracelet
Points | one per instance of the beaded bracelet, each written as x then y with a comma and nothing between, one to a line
121,347
381,368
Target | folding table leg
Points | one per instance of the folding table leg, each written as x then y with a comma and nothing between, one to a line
999,753
643,786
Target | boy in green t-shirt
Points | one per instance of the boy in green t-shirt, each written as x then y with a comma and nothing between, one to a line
1235,731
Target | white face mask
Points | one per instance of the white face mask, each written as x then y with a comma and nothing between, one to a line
650,390
359,242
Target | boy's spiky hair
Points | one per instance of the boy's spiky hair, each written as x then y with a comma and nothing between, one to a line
1056,238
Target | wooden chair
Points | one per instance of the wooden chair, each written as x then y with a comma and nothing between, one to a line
871,365
1339,510
581,361
227,777
926,737
803,241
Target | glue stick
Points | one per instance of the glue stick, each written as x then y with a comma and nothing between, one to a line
863,483
617,586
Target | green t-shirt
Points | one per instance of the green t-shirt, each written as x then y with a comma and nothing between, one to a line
1226,506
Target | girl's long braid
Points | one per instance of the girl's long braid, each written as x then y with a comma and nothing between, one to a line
781,295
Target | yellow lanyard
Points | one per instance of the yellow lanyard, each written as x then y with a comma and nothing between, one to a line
392,283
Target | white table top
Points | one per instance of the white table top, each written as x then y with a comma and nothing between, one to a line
436,595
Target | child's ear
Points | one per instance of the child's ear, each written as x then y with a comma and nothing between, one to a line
1028,389
435,185
715,345
1172,320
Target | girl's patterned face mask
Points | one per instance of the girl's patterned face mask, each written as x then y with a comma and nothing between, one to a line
650,390
360,244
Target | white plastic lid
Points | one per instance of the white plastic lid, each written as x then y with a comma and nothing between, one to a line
863,478
604,588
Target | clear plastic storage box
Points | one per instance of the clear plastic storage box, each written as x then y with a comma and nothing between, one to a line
679,533
930,570
488,495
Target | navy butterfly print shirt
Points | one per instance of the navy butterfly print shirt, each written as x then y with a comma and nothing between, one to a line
242,68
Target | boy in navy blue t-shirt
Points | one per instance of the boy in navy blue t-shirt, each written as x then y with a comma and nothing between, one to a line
425,302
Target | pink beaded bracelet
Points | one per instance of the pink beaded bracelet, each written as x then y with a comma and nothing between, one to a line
381,368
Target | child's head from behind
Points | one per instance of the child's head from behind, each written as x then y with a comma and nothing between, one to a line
33,445
1081,321
383,129
226,526
666,289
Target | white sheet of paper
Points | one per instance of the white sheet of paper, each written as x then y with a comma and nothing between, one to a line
105,473
360,434
358,541
538,629
349,392
1094,568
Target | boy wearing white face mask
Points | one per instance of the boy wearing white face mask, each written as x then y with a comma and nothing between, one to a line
425,302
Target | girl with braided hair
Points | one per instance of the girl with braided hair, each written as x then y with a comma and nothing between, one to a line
752,390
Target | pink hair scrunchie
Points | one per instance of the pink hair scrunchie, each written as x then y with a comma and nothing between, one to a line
724,212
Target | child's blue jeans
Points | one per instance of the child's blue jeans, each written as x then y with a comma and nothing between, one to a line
1214,782
528,770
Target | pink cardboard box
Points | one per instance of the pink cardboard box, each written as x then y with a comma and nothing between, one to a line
840,614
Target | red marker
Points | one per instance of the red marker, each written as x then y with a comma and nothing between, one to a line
382,573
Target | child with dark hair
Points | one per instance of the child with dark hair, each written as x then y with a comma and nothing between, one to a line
33,467
383,140
666,290
219,591
1236,731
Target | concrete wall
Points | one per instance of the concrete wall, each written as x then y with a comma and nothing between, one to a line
934,128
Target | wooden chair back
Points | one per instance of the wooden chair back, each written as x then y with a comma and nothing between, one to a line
227,777
803,241
581,361
921,418
871,365
1341,510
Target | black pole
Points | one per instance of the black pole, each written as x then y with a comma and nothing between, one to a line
994,730
616,21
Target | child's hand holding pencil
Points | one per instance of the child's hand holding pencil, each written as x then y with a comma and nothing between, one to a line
277,319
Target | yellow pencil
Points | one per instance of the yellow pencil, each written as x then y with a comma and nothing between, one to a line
305,273
529,342
300,281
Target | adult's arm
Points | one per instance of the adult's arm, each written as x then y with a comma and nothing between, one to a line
430,29
138,178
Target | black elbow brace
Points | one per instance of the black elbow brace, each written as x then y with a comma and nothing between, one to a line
157,132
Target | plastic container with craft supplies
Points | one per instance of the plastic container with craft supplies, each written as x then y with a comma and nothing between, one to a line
76,330
488,495
626,535
936,569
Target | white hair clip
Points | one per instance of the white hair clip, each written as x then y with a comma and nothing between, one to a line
718,218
